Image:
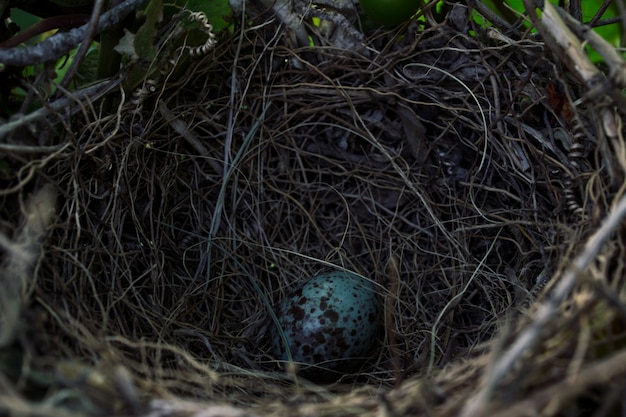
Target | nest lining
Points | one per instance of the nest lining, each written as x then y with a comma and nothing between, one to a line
440,170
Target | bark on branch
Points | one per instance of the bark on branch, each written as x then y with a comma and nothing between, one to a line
60,44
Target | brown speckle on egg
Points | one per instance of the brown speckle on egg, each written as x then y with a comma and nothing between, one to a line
331,322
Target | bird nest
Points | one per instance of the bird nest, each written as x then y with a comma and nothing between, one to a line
466,171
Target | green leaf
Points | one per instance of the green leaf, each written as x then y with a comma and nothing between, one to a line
126,46
88,70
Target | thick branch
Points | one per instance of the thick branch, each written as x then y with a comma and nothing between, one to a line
60,44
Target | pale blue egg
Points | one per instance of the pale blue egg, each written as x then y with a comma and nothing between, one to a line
331,322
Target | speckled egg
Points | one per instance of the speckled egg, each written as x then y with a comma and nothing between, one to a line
331,322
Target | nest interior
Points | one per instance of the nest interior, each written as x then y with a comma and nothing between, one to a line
453,170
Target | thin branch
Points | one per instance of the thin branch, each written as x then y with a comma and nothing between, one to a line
67,21
92,93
